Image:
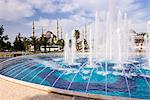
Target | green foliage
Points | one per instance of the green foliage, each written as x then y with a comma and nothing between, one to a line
79,45
34,41
26,43
1,30
18,43
61,43
44,41
9,47
3,39
77,34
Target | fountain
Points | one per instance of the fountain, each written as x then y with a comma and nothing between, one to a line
119,32
148,42
69,57
90,48
106,71
66,49
109,37
73,47
97,37
84,32
83,46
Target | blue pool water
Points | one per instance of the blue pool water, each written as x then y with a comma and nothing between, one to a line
133,81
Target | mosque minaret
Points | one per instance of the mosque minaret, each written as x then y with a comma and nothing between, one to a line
33,29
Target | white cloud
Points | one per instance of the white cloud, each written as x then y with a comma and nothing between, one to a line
134,9
69,7
14,9
79,12
43,5
84,5
81,17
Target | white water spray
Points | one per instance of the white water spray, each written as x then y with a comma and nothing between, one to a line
90,48
73,47
148,42
66,49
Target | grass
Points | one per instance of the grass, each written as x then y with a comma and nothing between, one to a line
13,54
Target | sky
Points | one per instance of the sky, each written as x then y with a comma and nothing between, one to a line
18,15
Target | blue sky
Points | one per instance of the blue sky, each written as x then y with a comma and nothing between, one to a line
17,15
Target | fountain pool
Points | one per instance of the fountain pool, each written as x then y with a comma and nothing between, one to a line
133,81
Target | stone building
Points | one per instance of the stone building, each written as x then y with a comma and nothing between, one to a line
138,41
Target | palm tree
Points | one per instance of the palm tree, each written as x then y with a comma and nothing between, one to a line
61,43
44,41
26,43
34,41
77,35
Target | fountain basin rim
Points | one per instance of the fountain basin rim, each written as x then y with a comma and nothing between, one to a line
32,55
62,91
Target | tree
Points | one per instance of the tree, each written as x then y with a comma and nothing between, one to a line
35,43
26,43
77,35
1,30
61,42
44,41
3,38
9,46
18,43
86,44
